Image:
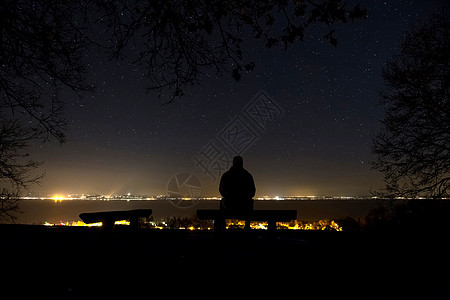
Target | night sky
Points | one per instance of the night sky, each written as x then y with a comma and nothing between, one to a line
121,139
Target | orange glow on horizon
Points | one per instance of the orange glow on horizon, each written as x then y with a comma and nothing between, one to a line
58,198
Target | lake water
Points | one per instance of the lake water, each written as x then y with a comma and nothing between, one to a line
40,211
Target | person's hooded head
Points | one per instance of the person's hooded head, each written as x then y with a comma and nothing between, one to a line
238,162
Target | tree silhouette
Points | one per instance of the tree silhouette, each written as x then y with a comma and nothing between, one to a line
413,147
179,42
41,48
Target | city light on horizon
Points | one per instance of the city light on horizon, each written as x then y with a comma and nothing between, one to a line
65,197
230,224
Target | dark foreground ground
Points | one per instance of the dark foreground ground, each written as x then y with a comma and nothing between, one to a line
85,263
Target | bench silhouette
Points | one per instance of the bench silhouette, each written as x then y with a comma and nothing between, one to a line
109,217
271,216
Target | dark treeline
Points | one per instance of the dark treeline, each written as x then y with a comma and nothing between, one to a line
177,223
407,216
418,215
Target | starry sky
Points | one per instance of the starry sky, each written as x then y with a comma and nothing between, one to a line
121,139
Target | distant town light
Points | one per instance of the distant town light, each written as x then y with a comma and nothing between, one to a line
58,198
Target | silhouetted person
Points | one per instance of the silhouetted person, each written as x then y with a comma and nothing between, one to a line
237,189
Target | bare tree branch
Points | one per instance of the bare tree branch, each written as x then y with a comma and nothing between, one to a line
413,147
184,40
